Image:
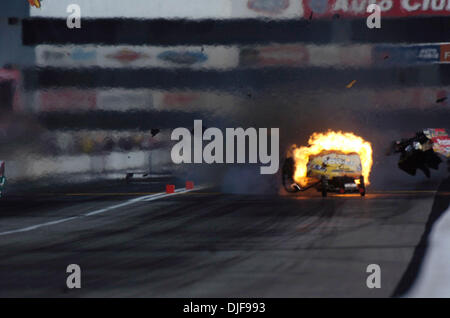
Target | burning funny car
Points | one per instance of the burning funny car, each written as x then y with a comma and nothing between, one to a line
333,162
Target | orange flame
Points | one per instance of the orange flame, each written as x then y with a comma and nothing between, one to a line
338,141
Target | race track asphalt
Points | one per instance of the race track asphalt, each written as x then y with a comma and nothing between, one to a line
207,243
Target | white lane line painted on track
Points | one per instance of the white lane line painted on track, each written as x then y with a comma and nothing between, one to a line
145,198
434,277
34,227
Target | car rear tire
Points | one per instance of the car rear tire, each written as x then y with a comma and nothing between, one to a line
287,176
362,186
324,186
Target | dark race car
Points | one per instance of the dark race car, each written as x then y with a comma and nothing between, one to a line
423,151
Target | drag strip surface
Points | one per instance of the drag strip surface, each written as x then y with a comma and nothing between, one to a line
427,274
208,244
146,198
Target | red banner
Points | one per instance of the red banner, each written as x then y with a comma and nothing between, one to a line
445,53
67,100
275,55
389,8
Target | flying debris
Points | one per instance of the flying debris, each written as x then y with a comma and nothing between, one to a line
350,85
35,3
154,131
423,151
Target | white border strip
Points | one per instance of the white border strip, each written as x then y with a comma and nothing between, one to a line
146,198
434,277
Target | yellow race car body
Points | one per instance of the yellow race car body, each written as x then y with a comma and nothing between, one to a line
334,164
330,171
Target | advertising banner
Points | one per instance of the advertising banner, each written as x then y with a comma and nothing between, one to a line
125,100
389,8
192,100
274,55
174,9
72,56
406,54
65,99
343,56
118,99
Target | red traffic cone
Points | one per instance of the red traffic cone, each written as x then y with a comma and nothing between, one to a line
189,185
170,188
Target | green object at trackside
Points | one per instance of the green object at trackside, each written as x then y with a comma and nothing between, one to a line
2,185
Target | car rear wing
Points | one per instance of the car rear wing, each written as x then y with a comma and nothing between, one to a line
441,140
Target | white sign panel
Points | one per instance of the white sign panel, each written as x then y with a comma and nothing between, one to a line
70,56
173,9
